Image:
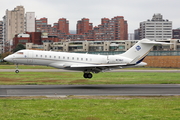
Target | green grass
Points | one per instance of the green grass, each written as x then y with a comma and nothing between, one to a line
112,108
27,78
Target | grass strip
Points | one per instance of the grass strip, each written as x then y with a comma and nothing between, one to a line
122,108
47,78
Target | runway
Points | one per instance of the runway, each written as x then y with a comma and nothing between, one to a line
95,90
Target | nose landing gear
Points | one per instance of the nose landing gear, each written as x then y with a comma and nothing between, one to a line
16,71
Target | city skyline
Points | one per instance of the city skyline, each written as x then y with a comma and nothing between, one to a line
133,11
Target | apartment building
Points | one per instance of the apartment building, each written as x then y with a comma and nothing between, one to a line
60,29
84,46
63,26
114,29
14,22
103,46
1,31
176,33
1,37
84,26
156,29
42,25
30,22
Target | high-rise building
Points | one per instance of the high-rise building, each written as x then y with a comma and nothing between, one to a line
63,25
114,29
1,37
176,33
1,31
131,36
84,26
14,22
41,25
60,29
156,29
137,34
30,22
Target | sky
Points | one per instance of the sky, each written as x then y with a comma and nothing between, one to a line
134,11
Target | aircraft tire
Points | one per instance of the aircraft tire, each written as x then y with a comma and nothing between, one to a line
85,75
89,75
16,71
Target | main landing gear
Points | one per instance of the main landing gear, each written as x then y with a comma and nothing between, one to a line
88,75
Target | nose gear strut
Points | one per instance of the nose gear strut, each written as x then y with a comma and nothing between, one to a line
16,71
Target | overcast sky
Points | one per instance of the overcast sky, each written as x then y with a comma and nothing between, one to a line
134,11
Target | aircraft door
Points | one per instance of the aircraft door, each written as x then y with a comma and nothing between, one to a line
30,57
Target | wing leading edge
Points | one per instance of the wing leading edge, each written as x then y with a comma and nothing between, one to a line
71,65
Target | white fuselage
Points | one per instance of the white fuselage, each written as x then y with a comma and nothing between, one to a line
33,57
63,59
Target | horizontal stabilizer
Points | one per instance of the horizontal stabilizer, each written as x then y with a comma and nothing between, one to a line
154,42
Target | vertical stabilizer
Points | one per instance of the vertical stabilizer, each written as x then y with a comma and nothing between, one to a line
140,50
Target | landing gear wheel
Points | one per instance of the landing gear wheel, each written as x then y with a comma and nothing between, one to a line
16,71
85,75
88,75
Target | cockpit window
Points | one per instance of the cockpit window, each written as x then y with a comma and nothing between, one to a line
20,53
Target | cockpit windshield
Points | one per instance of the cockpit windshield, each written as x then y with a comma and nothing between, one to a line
21,53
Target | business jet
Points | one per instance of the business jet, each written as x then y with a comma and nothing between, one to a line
88,63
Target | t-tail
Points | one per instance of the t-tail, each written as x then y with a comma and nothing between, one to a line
140,50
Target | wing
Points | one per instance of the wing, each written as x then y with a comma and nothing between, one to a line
88,67
96,65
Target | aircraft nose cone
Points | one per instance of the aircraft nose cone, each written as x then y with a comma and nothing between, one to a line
4,60
7,59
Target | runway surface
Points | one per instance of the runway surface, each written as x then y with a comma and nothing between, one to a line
97,90
120,90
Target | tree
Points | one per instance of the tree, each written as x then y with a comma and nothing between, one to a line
19,47
2,56
5,55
